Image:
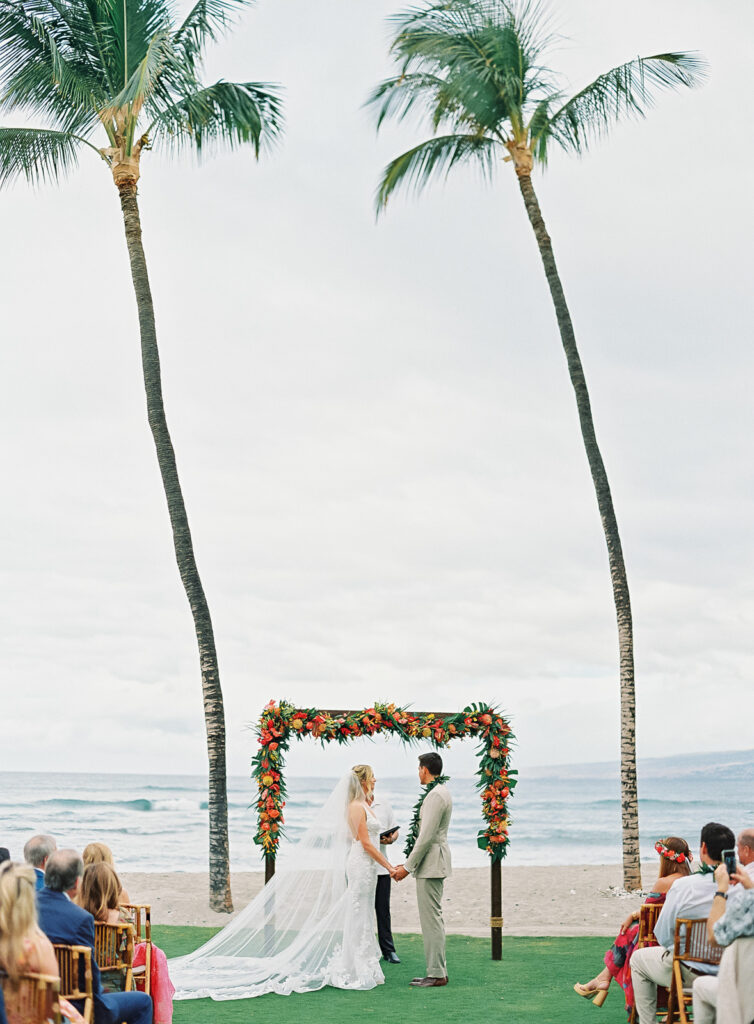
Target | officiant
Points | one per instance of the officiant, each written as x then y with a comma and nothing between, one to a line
388,835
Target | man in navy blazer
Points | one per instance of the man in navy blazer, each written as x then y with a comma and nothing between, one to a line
64,922
36,852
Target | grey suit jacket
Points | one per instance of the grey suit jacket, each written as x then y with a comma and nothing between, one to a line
430,857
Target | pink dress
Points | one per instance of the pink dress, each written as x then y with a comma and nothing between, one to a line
161,987
618,957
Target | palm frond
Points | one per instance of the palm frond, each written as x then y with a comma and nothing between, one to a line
628,90
396,97
416,167
132,26
226,113
145,77
41,71
36,155
206,20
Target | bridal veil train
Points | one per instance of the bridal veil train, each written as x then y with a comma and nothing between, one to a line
311,926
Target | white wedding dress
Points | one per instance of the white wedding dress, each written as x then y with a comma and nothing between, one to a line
312,925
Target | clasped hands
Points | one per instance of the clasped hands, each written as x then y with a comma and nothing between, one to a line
399,873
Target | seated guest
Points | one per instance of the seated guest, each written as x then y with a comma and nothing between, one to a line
4,854
675,858
24,949
99,853
65,923
730,923
691,898
98,893
745,851
36,852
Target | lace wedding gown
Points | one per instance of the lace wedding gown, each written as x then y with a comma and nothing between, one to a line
312,925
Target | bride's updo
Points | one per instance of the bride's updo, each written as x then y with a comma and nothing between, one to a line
364,776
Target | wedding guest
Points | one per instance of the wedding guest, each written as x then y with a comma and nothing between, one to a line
68,924
99,893
24,949
388,834
675,858
36,852
730,923
690,897
745,850
99,853
4,854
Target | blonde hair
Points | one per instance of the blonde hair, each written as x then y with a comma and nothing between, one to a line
18,915
97,853
99,890
364,774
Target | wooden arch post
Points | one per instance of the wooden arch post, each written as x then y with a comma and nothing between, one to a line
437,728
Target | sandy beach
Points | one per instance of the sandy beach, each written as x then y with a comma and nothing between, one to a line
572,900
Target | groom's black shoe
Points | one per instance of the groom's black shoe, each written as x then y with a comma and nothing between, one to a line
392,958
428,982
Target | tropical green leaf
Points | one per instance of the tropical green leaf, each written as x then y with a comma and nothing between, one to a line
206,20
414,168
233,113
628,90
36,155
145,77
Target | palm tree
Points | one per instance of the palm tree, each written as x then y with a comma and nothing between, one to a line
121,69
477,70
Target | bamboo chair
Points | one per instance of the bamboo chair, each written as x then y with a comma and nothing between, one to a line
691,945
34,999
648,914
114,953
75,966
142,923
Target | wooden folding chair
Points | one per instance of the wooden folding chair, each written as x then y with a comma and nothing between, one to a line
114,953
33,999
648,914
690,945
142,923
75,966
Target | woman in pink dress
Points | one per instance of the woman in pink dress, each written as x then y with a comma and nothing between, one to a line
675,858
100,893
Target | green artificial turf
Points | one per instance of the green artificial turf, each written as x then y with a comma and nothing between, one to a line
533,982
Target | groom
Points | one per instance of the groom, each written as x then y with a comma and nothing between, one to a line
429,863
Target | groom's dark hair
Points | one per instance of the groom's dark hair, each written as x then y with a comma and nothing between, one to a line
432,762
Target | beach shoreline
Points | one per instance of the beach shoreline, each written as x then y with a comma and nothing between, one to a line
584,899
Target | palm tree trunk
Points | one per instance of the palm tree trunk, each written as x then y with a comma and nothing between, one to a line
219,867
629,797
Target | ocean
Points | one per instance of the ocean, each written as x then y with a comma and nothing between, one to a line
560,815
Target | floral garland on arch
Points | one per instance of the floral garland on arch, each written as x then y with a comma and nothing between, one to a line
281,721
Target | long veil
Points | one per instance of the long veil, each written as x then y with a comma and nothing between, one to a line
291,933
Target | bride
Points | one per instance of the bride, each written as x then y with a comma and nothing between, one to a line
313,924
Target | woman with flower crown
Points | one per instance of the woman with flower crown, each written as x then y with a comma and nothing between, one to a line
675,858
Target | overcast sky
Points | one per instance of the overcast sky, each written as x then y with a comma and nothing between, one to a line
375,430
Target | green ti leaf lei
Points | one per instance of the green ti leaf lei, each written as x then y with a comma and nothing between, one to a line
413,829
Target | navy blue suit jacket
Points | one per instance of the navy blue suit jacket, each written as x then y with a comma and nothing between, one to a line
40,882
67,924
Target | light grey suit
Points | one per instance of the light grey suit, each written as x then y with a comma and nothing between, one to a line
429,863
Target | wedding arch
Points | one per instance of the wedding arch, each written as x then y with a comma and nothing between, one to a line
280,722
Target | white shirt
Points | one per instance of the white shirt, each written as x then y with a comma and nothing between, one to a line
688,897
383,812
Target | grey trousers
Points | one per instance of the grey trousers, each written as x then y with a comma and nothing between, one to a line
429,898
650,967
705,999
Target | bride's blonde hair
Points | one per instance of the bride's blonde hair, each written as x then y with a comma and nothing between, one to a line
364,774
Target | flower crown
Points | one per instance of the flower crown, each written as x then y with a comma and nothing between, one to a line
665,851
